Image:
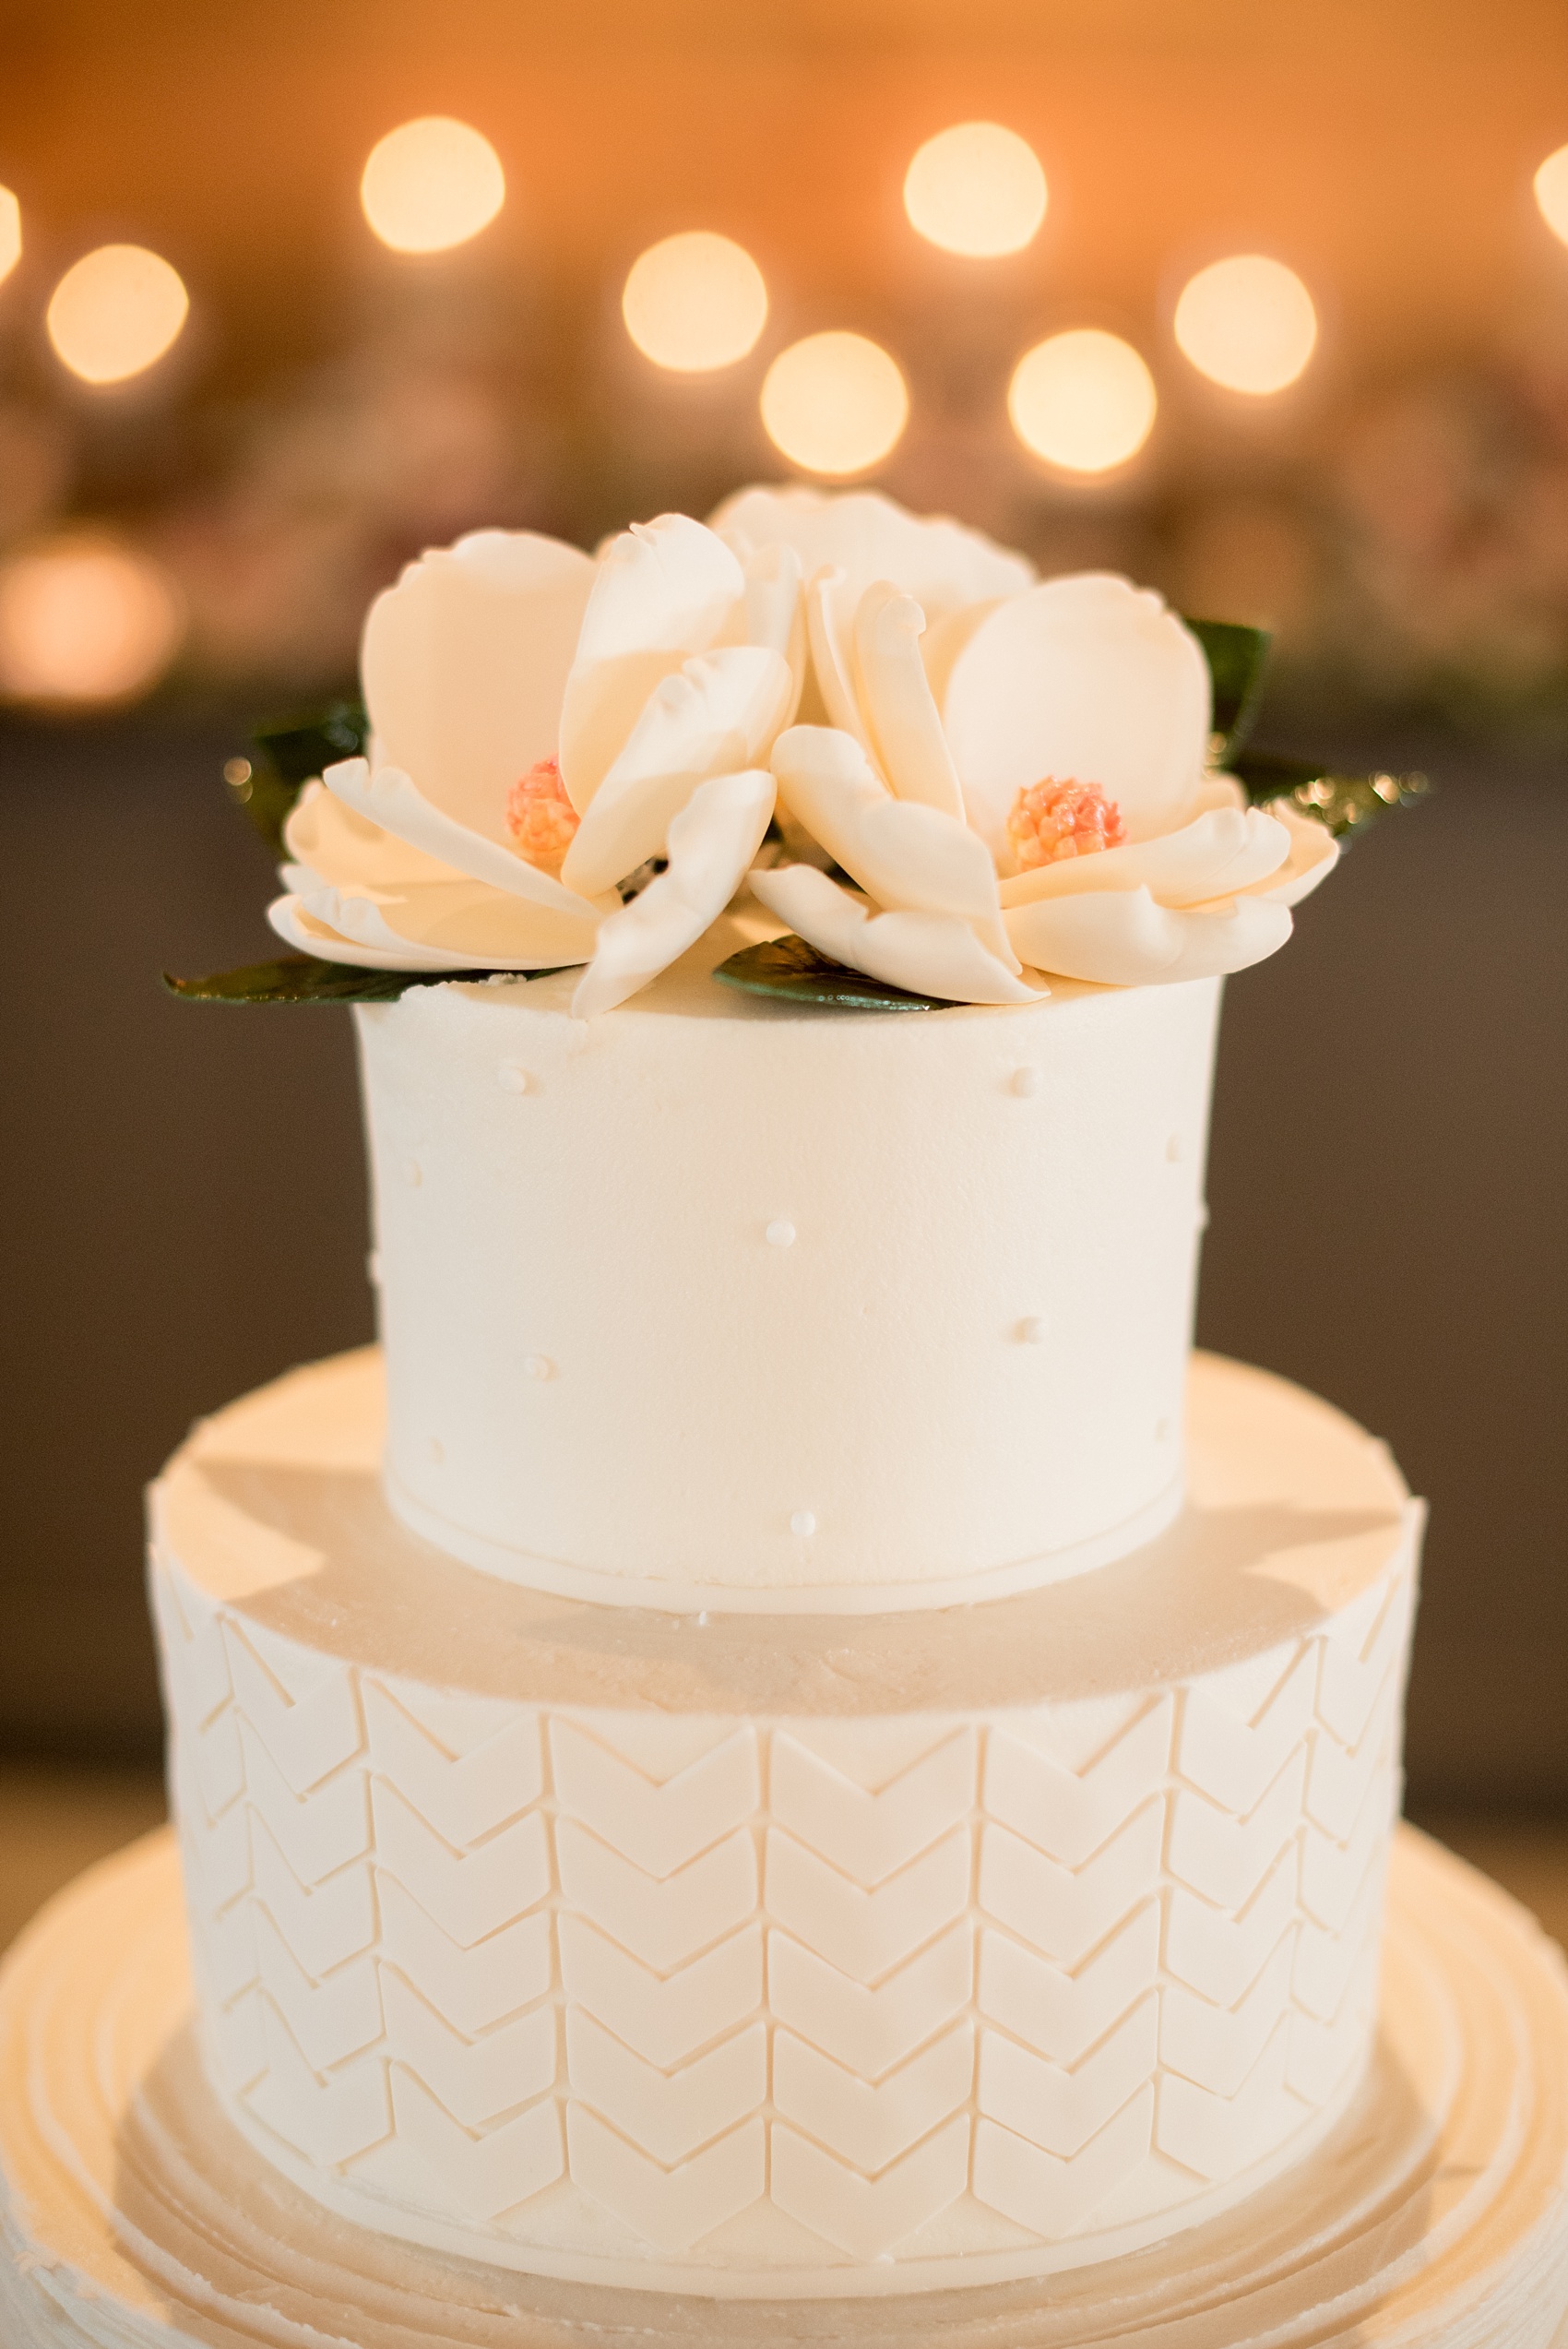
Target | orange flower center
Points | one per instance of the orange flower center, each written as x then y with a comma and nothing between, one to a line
1052,819
540,816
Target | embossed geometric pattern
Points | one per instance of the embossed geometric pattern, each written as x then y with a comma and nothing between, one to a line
1057,1966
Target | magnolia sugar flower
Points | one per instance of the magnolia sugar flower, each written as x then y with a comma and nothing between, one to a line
542,725
1011,774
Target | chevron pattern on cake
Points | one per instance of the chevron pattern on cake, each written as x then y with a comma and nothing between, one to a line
472,2173
870,2029
673,2208
671,2114
868,2216
1073,1814
871,2125
867,1834
1061,2015
1050,2195
1048,1964
657,1823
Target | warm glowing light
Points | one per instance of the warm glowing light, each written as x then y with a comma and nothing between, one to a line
85,620
835,403
432,183
976,189
1083,401
10,233
115,311
694,301
1247,323
1552,193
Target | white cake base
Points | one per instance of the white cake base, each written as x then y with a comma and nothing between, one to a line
789,1958
132,2216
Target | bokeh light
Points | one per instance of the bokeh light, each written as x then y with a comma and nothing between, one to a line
1083,401
430,185
835,403
115,311
1552,193
694,301
1247,323
10,233
976,189
85,619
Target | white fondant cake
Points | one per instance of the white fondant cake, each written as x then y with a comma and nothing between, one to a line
715,1302
780,1744
807,1954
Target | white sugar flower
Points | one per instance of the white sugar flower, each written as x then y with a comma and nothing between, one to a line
1013,772
543,724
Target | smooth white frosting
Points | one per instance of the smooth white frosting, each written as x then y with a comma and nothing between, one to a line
717,1303
818,1955
132,2216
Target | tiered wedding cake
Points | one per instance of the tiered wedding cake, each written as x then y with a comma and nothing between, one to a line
781,1741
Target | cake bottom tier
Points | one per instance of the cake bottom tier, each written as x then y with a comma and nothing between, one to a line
776,1957
133,2215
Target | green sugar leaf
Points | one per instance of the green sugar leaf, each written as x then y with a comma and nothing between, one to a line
1346,804
301,746
1237,657
792,971
301,978
285,756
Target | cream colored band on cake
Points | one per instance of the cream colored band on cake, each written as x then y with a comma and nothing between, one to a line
672,1597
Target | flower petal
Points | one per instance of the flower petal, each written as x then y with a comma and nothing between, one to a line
718,715
910,859
465,662
323,834
1087,679
1314,852
775,614
896,704
945,638
665,590
440,925
1229,849
712,844
302,931
870,537
830,628
395,801
1123,938
930,954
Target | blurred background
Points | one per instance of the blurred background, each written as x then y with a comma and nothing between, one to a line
1266,305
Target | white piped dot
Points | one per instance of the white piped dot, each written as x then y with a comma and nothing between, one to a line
372,1268
1200,1215
1033,1330
512,1078
781,1234
413,1174
1025,1081
802,1523
436,1450
538,1365
1173,1149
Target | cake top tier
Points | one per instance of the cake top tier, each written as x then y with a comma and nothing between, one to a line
937,771
774,1309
